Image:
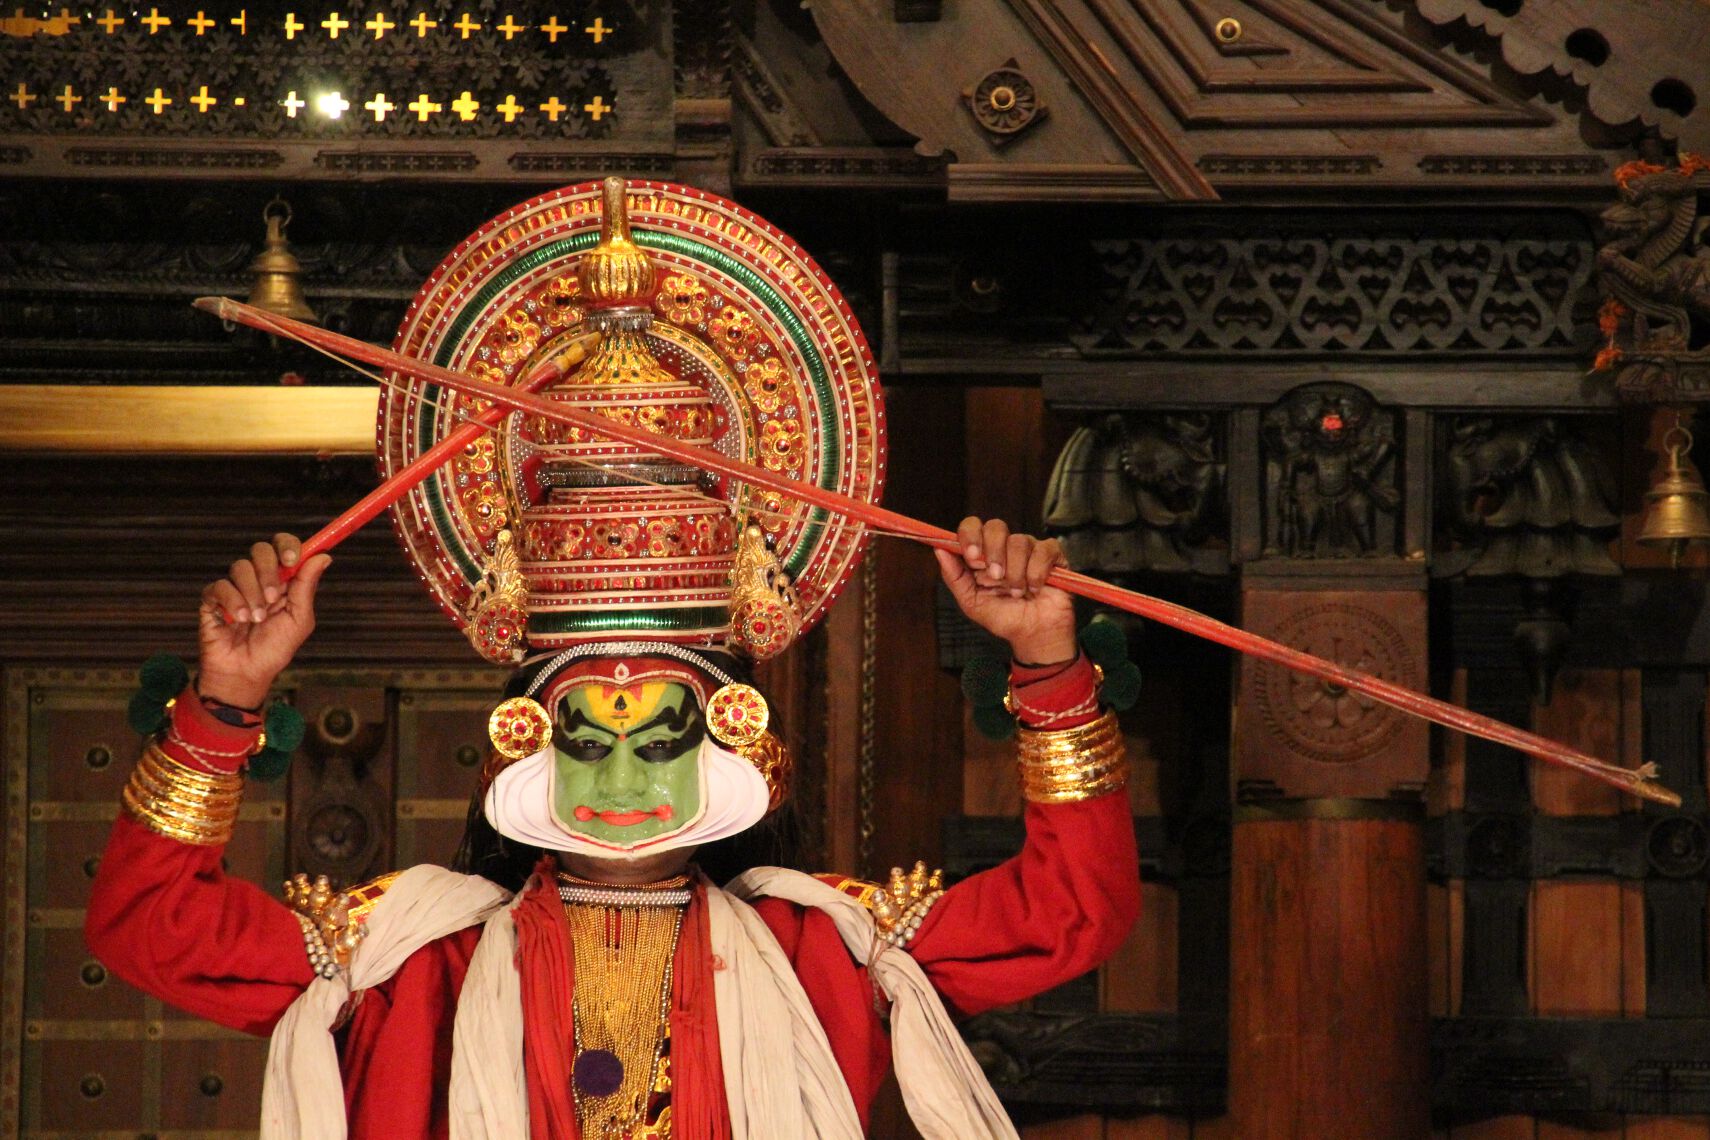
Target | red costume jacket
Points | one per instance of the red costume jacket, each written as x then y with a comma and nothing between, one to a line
164,917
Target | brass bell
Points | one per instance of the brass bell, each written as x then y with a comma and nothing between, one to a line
1677,510
278,286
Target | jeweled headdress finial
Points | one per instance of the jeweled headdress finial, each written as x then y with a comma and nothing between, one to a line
617,271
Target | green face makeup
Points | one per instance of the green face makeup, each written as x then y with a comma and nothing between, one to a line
628,766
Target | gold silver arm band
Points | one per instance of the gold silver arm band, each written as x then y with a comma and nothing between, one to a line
181,803
1060,766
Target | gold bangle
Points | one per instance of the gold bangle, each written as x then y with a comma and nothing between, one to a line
1071,764
162,823
181,803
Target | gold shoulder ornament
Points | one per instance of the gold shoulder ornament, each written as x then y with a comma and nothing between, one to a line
333,922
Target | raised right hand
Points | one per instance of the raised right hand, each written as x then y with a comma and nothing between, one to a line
251,625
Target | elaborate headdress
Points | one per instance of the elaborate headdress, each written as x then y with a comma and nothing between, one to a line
670,309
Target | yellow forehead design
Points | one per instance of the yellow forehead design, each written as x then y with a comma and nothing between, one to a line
621,708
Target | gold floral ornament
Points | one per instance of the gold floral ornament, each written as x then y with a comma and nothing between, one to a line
682,300
765,615
737,715
771,758
519,728
498,621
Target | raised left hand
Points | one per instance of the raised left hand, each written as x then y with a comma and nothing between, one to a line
998,580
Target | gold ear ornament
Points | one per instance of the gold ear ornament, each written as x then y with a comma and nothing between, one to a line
519,728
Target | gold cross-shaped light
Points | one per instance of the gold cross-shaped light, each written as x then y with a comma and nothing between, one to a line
379,24
510,108
554,108
421,24
597,108
201,23
333,105
598,29
554,29
423,107
379,105
510,27
465,106
293,25
292,104
241,21
111,21
112,98
334,24
203,100
67,100
466,25
23,98
155,21
158,101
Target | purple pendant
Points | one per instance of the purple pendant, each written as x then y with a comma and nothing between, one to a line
597,1072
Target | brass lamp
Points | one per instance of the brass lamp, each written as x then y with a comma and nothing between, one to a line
278,286
1677,510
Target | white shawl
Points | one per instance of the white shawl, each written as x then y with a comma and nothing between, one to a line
776,1084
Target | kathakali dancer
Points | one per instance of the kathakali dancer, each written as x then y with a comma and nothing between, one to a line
577,976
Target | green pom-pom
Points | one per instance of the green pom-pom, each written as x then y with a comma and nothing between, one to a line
284,728
146,713
993,722
1105,642
163,675
1121,686
985,681
269,764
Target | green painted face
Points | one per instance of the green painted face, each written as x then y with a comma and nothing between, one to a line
628,762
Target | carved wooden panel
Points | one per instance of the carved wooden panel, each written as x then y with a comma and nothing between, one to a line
1641,61
383,781
1187,101
1299,737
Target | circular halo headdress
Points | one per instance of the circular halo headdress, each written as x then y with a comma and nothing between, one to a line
670,309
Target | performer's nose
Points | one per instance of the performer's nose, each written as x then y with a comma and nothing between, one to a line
622,774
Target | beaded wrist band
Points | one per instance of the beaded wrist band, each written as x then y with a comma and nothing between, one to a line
1071,764
1042,718
181,803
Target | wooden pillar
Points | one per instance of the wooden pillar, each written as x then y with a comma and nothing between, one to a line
1328,1027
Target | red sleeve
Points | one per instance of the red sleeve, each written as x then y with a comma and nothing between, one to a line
164,917
1056,910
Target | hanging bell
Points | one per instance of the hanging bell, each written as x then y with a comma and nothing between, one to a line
1677,510
278,287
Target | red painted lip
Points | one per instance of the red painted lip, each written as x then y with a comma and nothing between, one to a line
584,813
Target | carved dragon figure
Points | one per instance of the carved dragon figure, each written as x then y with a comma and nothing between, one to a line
1657,262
